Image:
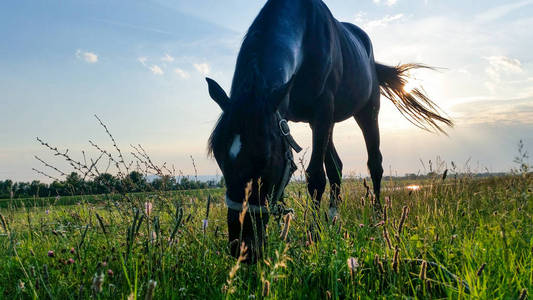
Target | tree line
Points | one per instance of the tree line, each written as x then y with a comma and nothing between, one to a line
105,183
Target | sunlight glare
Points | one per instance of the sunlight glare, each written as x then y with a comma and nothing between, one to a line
413,187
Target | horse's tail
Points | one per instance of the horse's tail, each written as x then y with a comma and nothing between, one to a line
414,105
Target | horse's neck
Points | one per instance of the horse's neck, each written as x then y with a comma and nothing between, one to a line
272,49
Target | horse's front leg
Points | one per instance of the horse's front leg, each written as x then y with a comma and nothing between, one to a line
321,125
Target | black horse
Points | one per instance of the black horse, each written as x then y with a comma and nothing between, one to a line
298,63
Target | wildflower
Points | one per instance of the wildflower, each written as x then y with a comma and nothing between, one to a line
148,208
353,264
70,261
51,253
372,238
204,224
396,260
21,285
110,273
381,223
98,280
72,251
47,211
286,226
104,264
266,288
423,270
361,225
405,212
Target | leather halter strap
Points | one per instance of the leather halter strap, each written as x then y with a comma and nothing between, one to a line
289,168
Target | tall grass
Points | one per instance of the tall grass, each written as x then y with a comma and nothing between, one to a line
460,238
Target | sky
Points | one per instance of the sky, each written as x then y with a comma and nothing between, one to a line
140,66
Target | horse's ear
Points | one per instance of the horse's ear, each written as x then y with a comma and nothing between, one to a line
279,94
217,93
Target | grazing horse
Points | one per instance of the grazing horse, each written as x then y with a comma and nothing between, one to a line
298,63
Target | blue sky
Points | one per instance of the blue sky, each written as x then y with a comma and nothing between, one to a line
140,66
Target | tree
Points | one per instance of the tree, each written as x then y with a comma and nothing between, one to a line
105,183
75,183
138,181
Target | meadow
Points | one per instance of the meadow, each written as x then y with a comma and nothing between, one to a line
456,238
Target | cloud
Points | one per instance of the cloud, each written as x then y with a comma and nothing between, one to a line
183,74
372,24
498,66
386,2
497,112
142,60
504,64
500,11
167,58
156,70
89,57
203,68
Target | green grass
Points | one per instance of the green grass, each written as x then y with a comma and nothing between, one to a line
455,225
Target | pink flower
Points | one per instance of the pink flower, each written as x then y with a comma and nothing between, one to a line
50,253
361,225
381,223
372,238
104,264
110,273
72,251
148,208
70,261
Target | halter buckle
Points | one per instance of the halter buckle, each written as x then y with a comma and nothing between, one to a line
284,127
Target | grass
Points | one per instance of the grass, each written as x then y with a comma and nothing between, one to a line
461,238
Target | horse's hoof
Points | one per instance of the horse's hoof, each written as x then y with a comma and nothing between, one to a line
333,213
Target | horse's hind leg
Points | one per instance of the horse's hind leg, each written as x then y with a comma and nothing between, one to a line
368,121
334,171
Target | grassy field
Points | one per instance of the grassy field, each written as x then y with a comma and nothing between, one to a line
458,238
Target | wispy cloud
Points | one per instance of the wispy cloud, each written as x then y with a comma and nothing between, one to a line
371,24
504,64
156,70
203,68
87,56
500,66
502,112
500,11
183,74
167,58
386,2
142,60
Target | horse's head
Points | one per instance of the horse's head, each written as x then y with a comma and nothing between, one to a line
251,152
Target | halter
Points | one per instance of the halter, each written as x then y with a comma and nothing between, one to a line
277,195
